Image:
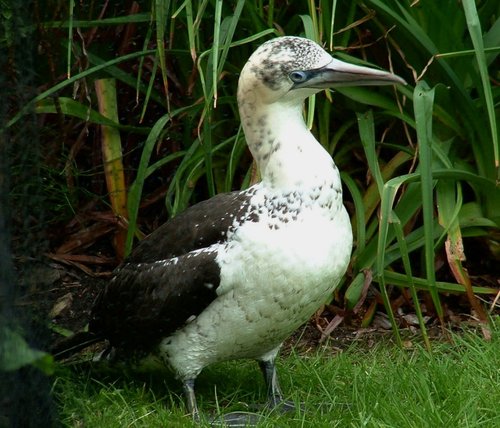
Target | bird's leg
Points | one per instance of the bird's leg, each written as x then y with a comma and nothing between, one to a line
274,395
234,420
275,400
191,399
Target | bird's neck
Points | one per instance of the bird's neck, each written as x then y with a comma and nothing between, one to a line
287,154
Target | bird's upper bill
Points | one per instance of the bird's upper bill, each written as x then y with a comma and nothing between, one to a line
338,73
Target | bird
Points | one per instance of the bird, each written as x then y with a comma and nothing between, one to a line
233,276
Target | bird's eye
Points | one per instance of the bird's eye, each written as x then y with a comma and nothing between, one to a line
298,76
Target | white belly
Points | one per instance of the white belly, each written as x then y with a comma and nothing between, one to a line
271,283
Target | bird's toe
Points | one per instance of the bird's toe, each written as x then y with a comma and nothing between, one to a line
237,419
284,406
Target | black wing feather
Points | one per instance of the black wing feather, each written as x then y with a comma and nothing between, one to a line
147,302
152,295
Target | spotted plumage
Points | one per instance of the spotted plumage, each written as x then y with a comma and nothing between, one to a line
233,276
276,61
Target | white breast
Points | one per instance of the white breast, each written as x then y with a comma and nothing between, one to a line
272,280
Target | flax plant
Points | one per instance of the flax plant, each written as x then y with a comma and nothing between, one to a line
420,163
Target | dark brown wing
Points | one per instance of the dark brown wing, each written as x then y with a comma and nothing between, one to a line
170,277
146,302
200,226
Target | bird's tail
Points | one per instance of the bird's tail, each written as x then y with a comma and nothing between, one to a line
73,344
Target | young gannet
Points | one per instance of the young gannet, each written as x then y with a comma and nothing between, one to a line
232,277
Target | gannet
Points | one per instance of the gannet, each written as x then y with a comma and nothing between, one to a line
232,277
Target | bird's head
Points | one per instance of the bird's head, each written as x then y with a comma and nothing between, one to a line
290,69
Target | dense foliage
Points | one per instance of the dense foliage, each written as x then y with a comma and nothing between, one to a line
138,119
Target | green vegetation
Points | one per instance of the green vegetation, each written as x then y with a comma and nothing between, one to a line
386,386
420,166
420,163
431,148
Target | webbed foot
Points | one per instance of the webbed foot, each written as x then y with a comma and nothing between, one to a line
237,419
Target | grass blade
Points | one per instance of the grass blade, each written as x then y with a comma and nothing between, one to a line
475,33
411,285
360,223
161,8
367,134
70,37
423,101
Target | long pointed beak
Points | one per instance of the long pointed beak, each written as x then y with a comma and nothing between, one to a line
338,73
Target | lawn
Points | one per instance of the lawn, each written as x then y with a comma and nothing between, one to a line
381,385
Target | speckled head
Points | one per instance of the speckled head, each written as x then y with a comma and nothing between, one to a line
276,59
270,65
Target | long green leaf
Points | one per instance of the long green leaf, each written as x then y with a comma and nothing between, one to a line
70,107
410,282
476,35
423,101
367,134
161,8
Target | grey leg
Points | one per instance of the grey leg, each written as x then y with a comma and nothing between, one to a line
191,399
250,419
275,400
233,420
274,394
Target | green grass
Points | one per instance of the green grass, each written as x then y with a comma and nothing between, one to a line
458,385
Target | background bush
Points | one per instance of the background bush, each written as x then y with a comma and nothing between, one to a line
137,114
